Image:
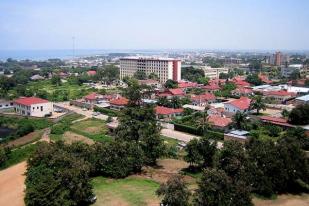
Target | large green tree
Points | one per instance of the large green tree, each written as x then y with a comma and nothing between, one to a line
257,103
175,192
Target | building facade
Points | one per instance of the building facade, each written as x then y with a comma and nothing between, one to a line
33,106
214,73
164,68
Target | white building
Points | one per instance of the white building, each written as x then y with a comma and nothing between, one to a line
241,105
287,71
165,68
33,106
5,104
213,73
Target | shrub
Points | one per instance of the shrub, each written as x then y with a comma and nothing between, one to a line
106,111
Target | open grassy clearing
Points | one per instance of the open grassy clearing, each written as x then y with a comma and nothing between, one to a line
284,200
129,191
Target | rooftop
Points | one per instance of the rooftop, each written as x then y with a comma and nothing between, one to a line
242,103
119,101
166,111
28,101
219,121
148,58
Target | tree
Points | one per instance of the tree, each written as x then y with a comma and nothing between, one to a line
140,75
192,74
55,176
295,75
55,80
153,76
257,103
203,80
299,115
285,113
175,192
170,84
192,153
240,119
3,155
233,160
254,79
216,188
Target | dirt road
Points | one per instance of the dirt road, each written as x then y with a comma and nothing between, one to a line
12,185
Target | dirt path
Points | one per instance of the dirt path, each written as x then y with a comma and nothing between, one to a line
12,185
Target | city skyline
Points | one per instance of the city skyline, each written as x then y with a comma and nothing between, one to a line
155,25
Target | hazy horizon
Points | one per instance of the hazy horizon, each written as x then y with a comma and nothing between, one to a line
240,25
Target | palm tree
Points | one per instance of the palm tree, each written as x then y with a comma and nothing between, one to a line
257,103
240,119
203,124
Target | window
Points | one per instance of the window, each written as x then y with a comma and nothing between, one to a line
41,108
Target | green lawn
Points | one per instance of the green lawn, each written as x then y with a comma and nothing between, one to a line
18,155
128,191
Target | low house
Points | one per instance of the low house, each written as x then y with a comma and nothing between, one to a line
5,104
276,121
92,98
36,77
237,135
241,105
33,106
240,82
150,82
172,93
186,85
302,100
220,122
211,88
203,99
165,112
242,91
119,103
91,72
279,96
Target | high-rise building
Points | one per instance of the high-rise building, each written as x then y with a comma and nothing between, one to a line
278,59
164,68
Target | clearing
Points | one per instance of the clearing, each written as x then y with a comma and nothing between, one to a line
70,137
284,200
29,138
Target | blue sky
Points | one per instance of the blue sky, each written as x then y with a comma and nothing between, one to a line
156,24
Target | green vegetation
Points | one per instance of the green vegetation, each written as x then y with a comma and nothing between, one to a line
131,190
17,155
254,79
106,111
257,103
300,115
171,84
192,74
22,125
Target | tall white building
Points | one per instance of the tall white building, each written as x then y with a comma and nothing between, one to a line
213,73
164,68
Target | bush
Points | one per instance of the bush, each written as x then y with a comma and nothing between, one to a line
59,128
24,129
106,111
214,135
188,129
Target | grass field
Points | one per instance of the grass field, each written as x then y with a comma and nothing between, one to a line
74,91
129,191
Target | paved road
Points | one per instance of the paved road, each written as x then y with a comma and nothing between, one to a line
12,185
78,110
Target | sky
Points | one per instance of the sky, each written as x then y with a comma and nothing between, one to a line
154,24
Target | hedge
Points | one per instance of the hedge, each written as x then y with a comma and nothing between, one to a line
192,130
106,111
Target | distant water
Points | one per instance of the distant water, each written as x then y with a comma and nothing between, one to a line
61,54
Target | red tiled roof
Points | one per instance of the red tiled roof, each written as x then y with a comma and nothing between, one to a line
265,79
91,72
219,121
276,120
211,87
206,96
280,93
187,84
119,101
166,111
28,101
91,96
242,103
176,91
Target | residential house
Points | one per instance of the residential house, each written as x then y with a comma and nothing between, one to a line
165,112
302,100
211,88
220,122
279,96
241,105
118,103
203,99
5,104
237,135
91,72
242,91
33,106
